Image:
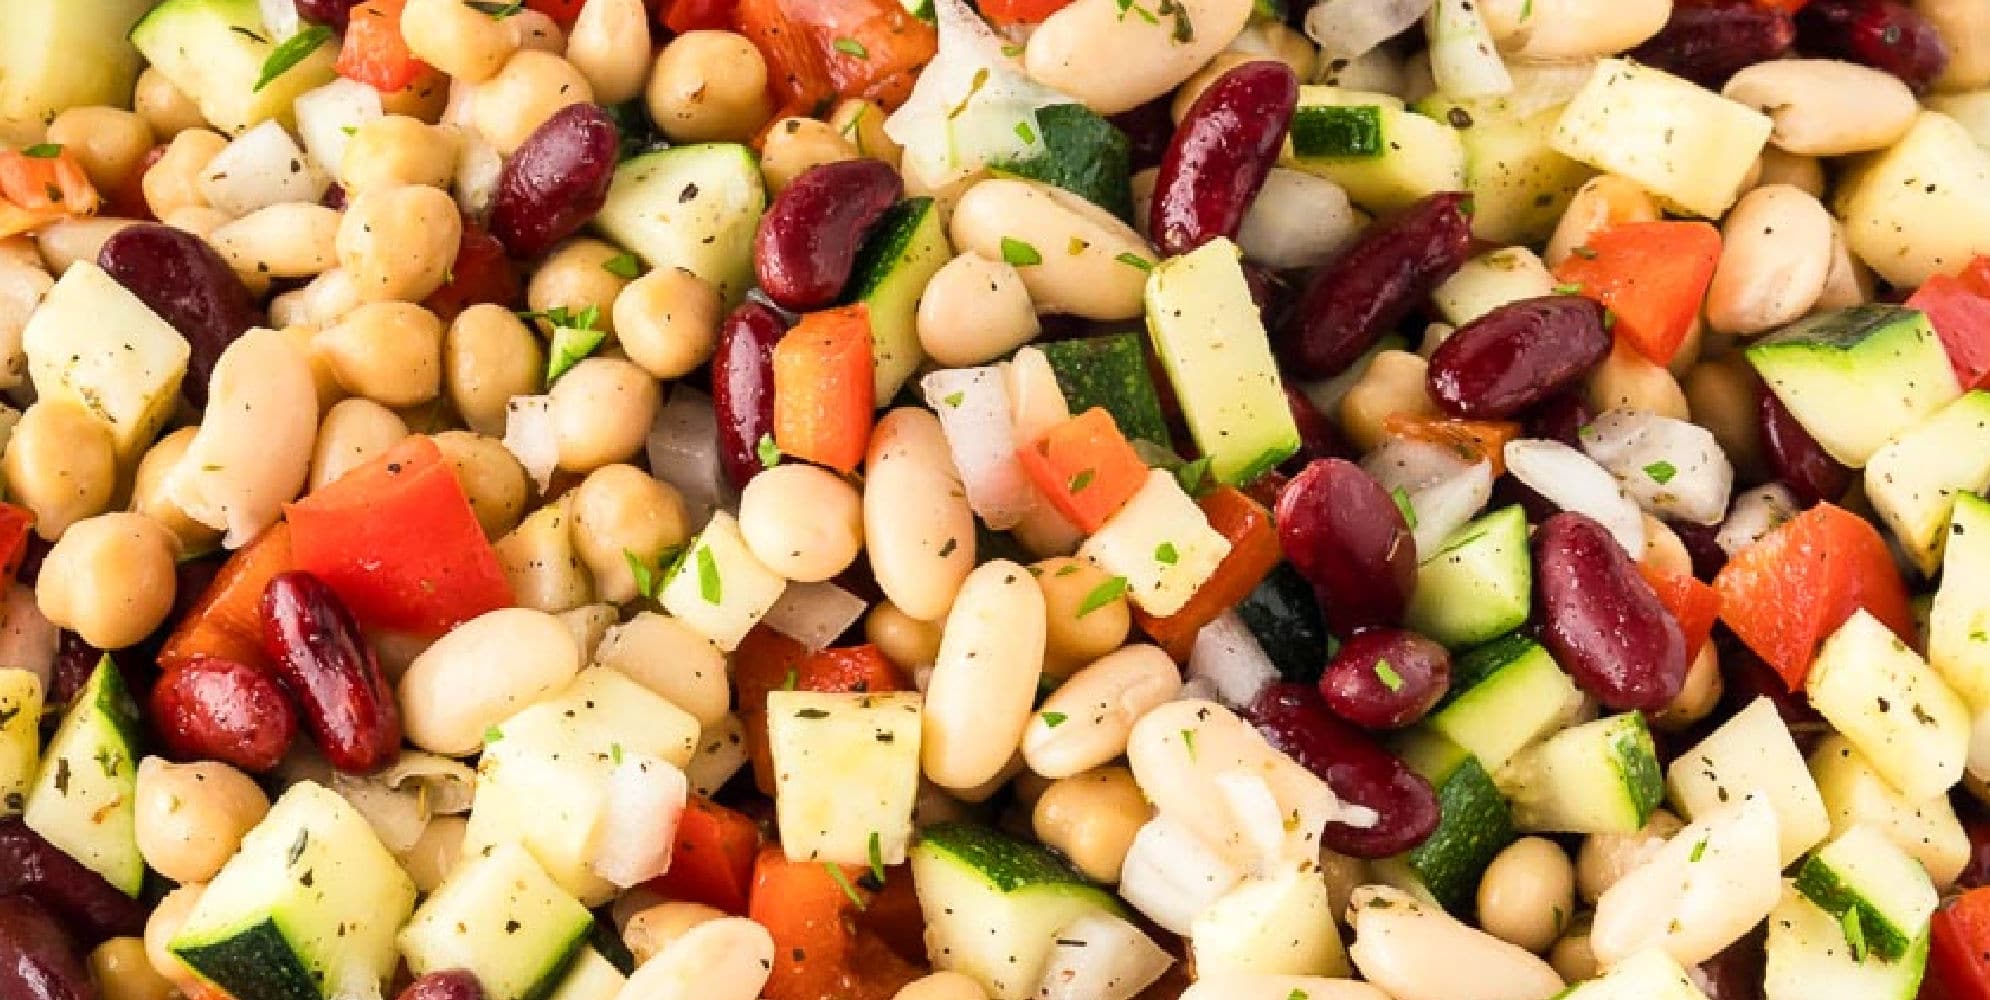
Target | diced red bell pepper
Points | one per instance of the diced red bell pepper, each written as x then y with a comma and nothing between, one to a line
15,522
1254,552
1006,12
226,621
1471,439
1959,949
1651,275
1694,605
1960,313
681,16
817,50
482,274
563,11
40,189
374,53
1085,467
820,951
398,542
711,861
1789,591
823,388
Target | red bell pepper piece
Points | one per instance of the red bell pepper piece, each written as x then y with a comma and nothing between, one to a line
226,621
1254,552
1473,440
1085,468
817,50
1651,275
15,522
1959,949
1959,309
1789,591
38,190
681,16
1694,605
823,388
398,542
1007,12
374,52
820,950
482,274
711,862
563,11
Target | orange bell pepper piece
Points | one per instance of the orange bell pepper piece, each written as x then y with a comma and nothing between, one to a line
1471,439
1652,276
226,621
823,388
40,185
1085,468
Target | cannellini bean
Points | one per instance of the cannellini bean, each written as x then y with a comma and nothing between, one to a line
610,45
1189,757
1775,255
1779,167
288,240
1824,107
1084,252
22,286
65,242
942,986
1086,721
1148,57
1849,282
1264,986
724,959
482,672
917,525
991,655
1414,951
161,927
173,181
589,623
435,852
1703,890
670,658
1581,29
253,451
353,433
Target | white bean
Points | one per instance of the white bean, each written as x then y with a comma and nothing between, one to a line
725,959
943,986
803,521
1266,986
917,524
253,451
1414,951
1549,30
991,655
482,672
975,310
289,240
1824,107
1775,256
610,45
1087,720
670,658
1147,58
353,433
22,286
653,929
1086,258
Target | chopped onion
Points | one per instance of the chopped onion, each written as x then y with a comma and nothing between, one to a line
530,437
1172,876
478,167
683,450
814,614
447,787
971,106
1260,823
262,167
1347,29
1671,467
1377,71
1227,660
1573,481
1444,491
1463,60
280,20
973,406
328,116
633,842
1298,220
1099,956
721,753
1539,86
1756,513
28,640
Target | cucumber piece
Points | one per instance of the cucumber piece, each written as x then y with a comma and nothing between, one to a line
1863,877
1216,353
993,905
20,738
215,51
1810,958
1959,618
1919,207
1284,615
1648,975
1491,280
1880,694
719,587
83,796
1474,824
1081,153
306,909
1856,378
591,977
60,54
1418,156
1855,795
1599,777
695,207
908,244
1520,184
1505,696
1753,752
1159,518
96,345
499,915
1111,372
1478,585
1913,480
1682,142
846,771
1352,131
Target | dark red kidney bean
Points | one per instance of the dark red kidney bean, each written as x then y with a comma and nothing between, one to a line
1148,129
1294,719
1890,37
1702,542
1518,355
1707,43
1270,292
809,239
38,958
95,909
1975,825
75,660
449,984
1600,618
743,387
215,709
177,275
556,181
325,663
1317,436
1221,152
333,12
1737,972
1350,301
334,197
1386,678
1561,417
1745,677
1344,534
1796,459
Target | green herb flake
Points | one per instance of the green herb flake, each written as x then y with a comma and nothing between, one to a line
622,265
1661,471
294,50
793,678
954,399
1054,719
1016,253
769,452
1188,742
1076,246
709,585
1166,554
492,734
1569,288
1408,510
349,129
1296,994
1067,569
1135,261
1105,593
1386,673
843,883
571,346
1855,933
615,753
1699,851
877,859
43,151
851,47
1080,481
498,11
645,577
1193,477
1026,133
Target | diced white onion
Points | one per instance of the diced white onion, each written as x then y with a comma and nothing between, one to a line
1172,876
280,19
262,167
1443,489
1298,220
633,843
328,116
814,614
1538,86
973,406
1672,468
531,438
1756,513
1260,821
28,640
478,167
1462,57
721,753
683,450
1573,481
967,104
1346,29
1101,957
1227,658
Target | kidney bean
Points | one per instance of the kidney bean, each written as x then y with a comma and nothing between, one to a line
1348,539
333,12
325,663
1294,719
1148,129
177,275
483,273
743,387
1518,355
1270,292
1317,436
1600,618
209,708
38,958
1561,417
449,984
556,181
1703,545
334,197
1736,973
1889,37
1219,157
1707,43
810,237
1976,826
1386,678
1350,301
30,865
1796,459
75,661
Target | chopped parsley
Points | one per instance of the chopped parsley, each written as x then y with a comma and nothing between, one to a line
499,11
1188,742
1402,498
294,50
769,452
851,47
1661,471
1054,719
709,585
1134,260
1081,480
1193,476
1105,593
645,577
1296,994
1855,933
877,859
843,883
615,753
1016,253
1387,674
1166,554
1026,133
571,346
622,265
954,399
43,151
1699,851
493,734
1569,288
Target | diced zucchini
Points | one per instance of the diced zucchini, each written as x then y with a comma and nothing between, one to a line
1491,280
1505,696
1479,585
1880,694
1599,777
1861,876
1111,372
96,345
1216,352
1855,795
695,207
993,905
20,737
846,771
307,908
1418,156
1081,153
1811,958
1474,824
1682,142
1959,619
214,51
1913,480
1648,975
1921,207
60,54
1160,543
1520,183
1341,131
83,796
1753,752
1857,377
718,586
904,249
1284,614
500,916
1282,924
591,977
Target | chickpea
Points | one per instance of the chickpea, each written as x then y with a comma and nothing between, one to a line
533,85
709,86
65,242
576,276
533,30
435,852
61,464
862,122
122,972
803,521
489,356
490,477
601,411
1091,818
910,644
109,143
396,150
623,513
399,243
109,579
975,310
449,35
1527,894
166,108
667,321
1697,699
653,928
353,433
610,45
388,352
1573,959
162,926
1395,382
795,144
1627,380
1073,640
174,181
191,817
1722,397
149,496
